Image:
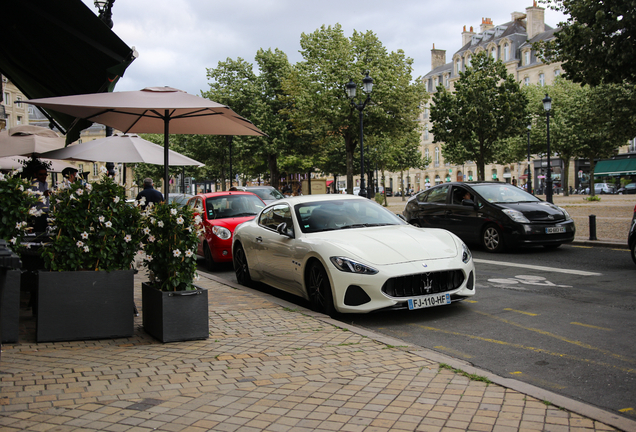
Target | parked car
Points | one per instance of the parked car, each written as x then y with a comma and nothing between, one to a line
346,253
601,188
221,212
627,189
268,194
389,191
179,199
631,238
494,214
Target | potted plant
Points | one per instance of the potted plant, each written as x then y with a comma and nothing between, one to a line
173,308
17,205
87,292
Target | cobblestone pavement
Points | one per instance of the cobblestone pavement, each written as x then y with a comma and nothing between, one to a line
268,366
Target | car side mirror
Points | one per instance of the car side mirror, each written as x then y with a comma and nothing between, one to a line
282,230
401,216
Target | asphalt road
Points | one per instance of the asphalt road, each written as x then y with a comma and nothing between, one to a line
563,320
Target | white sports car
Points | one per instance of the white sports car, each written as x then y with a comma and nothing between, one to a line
349,254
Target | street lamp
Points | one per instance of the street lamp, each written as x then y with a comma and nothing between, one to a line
547,105
529,183
367,87
105,11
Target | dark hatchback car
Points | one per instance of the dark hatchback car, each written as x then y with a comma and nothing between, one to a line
493,214
631,238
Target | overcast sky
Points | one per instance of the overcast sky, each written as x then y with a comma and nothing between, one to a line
178,39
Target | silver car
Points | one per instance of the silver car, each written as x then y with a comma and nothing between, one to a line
269,194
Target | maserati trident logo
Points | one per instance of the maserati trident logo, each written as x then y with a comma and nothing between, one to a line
424,265
550,217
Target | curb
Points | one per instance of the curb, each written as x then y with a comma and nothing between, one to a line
581,408
601,243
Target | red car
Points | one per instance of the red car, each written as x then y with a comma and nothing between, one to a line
221,213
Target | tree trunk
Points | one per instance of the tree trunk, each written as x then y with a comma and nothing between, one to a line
272,164
592,166
386,203
565,176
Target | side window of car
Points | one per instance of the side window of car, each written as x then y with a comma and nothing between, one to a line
422,196
438,195
266,218
460,194
275,216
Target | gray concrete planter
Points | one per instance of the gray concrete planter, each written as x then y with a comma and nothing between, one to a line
83,305
172,316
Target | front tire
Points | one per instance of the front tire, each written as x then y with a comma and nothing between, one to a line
241,269
492,239
209,261
319,290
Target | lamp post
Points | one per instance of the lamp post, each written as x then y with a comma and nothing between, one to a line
105,11
229,143
529,189
367,87
547,106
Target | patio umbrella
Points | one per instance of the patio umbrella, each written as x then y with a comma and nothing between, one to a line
127,148
24,140
153,110
11,163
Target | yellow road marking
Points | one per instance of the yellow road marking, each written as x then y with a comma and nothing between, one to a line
521,312
534,349
591,326
561,338
626,409
470,301
583,247
454,352
516,373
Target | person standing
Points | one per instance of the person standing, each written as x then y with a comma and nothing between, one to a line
151,194
70,176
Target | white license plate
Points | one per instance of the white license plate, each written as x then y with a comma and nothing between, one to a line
554,230
429,301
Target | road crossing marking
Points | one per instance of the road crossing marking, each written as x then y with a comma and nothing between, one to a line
535,267
591,326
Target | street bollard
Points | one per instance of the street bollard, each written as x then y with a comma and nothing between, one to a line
592,227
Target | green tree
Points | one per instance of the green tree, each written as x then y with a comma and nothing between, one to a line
318,105
486,108
596,43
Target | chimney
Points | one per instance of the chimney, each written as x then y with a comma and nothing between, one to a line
467,35
438,57
535,20
486,23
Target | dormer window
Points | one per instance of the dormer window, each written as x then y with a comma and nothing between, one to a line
468,59
446,80
526,57
493,53
458,66
506,52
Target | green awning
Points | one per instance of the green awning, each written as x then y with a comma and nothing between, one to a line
60,48
615,167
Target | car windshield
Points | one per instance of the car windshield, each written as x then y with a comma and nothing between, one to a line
230,206
321,216
503,193
267,193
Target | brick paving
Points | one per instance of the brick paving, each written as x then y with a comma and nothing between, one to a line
265,367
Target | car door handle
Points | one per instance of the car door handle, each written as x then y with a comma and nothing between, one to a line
259,239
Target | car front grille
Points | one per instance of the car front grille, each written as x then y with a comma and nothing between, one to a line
423,283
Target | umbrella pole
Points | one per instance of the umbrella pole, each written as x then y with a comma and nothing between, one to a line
166,173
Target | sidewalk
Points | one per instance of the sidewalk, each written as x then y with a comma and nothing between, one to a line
272,366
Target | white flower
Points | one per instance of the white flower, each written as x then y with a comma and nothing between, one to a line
197,219
153,220
173,212
141,246
151,204
14,240
142,200
151,239
160,224
116,199
84,235
86,249
146,231
21,188
136,203
103,170
148,258
102,219
89,187
2,177
79,243
128,238
79,192
176,253
108,224
189,253
180,220
18,225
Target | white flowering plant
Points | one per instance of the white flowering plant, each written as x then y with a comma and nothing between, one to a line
171,238
91,227
18,203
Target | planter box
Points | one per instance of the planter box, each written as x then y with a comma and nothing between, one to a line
82,305
172,316
10,309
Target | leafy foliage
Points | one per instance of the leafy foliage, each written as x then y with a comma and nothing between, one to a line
596,43
170,245
17,203
486,108
93,228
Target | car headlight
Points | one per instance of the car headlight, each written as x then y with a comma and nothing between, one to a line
221,232
516,216
466,255
349,266
565,212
